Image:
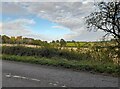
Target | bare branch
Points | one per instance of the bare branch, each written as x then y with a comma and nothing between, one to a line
106,19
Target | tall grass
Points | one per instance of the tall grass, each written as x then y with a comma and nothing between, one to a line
84,65
45,52
93,58
105,54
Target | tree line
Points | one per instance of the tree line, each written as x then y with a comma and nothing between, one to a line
30,41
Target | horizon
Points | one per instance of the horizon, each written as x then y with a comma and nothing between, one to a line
56,39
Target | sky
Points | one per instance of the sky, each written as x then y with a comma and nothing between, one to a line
48,20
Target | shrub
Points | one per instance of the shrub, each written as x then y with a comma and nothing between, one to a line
44,52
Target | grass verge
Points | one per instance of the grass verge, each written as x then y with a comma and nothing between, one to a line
85,65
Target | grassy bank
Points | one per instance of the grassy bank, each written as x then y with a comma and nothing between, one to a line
48,52
85,65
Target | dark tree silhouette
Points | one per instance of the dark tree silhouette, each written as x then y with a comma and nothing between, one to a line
106,18
53,41
57,41
62,43
5,39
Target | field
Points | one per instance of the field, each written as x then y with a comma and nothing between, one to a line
100,56
93,58
81,44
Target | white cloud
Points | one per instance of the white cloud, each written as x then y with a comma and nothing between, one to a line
71,36
13,9
67,14
58,27
85,36
55,0
19,27
18,24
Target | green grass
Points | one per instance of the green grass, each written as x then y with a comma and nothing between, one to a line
79,44
71,45
86,65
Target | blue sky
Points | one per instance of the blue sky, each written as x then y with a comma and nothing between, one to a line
46,27
48,21
41,26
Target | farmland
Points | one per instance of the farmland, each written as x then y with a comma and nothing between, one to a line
97,57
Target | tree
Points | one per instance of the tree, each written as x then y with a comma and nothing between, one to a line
35,42
74,43
19,40
53,41
5,39
62,43
57,41
107,18
12,40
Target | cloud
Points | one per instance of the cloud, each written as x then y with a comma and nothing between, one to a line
85,36
58,27
20,27
13,9
67,14
70,36
55,0
17,27
18,24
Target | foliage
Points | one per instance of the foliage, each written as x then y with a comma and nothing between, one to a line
44,52
100,57
5,39
20,40
96,52
107,18
62,43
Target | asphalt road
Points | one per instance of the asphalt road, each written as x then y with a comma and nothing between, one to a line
17,74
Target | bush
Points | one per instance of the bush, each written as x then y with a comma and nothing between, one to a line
44,52
94,53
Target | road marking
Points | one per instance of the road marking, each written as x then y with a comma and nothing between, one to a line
50,83
35,79
55,84
15,76
63,86
21,77
8,76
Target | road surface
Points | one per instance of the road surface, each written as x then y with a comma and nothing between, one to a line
17,74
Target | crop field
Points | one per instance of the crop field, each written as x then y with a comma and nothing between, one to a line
81,44
101,59
100,56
